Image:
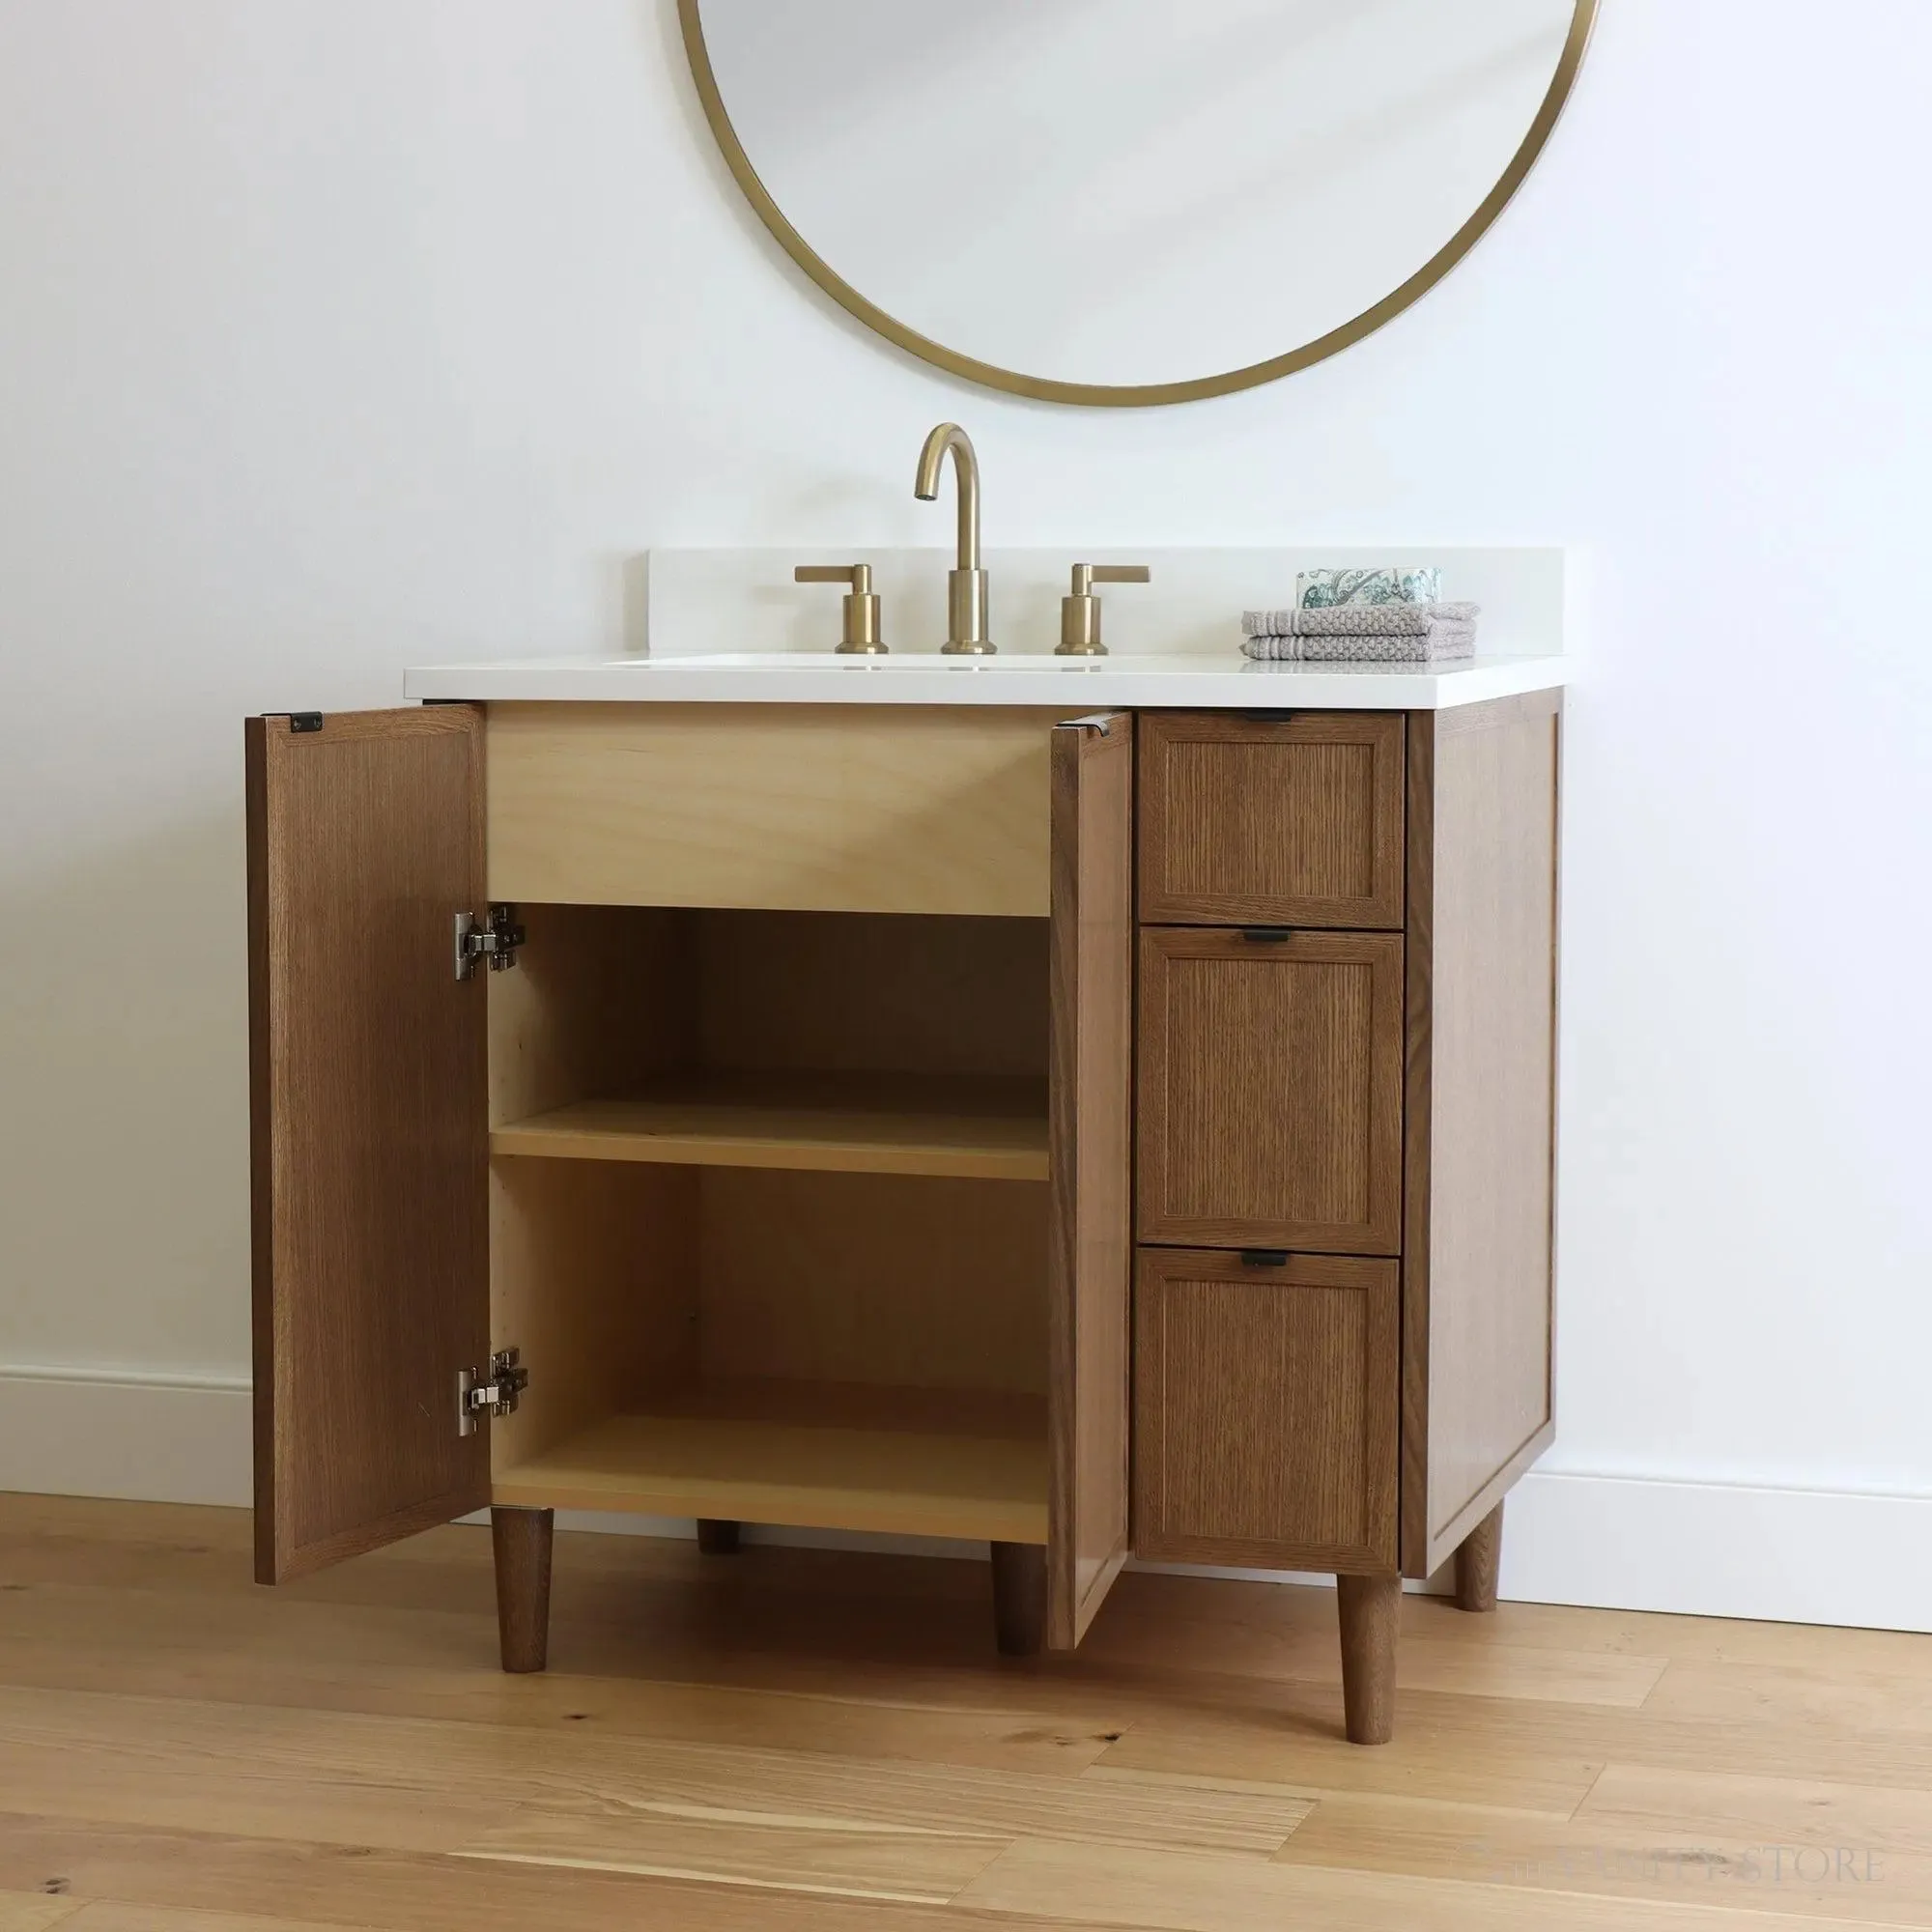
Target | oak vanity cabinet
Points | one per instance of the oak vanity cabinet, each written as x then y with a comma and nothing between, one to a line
1127,1132
789,1153
1345,1068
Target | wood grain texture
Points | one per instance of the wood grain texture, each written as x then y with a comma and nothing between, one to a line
1089,1206
1250,822
522,1539
918,1124
593,1269
1478,1260
868,1278
368,1095
925,808
890,1864
1270,1089
1264,1411
1478,1560
595,1281
871,993
623,1282
112,1915
603,1000
185,1753
29,1912
894,1461
1369,1610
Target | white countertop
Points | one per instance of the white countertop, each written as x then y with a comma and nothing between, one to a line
1141,681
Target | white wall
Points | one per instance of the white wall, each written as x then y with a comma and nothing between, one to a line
339,337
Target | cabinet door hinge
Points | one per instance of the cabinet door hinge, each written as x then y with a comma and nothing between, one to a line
492,1391
496,940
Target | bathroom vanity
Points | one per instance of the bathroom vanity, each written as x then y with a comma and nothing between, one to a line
1092,1108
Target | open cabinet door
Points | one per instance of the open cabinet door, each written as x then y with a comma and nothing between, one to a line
369,1128
1089,1167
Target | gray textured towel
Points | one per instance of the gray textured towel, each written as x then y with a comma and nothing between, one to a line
1443,643
1359,620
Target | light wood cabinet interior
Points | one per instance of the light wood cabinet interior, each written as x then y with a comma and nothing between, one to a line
768,1205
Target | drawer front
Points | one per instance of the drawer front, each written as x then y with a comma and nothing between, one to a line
1265,1405
1270,1089
1293,823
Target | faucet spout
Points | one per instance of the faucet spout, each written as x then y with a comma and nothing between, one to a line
966,583
966,463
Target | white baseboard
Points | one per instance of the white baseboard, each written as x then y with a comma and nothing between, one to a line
1724,1550
1720,1549
173,1438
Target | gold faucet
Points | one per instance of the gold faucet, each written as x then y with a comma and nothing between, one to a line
966,584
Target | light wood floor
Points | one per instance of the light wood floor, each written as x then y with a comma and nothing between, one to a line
796,1741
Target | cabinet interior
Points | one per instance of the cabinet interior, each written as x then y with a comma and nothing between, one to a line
768,1217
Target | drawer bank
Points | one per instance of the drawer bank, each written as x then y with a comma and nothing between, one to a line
1091,1132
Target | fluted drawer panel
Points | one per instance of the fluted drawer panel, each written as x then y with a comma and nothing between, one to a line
1265,1409
1295,821
1270,1089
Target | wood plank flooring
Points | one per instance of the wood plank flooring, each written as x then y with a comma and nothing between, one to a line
799,1741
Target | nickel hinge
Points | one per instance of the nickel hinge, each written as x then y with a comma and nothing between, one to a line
491,1391
496,940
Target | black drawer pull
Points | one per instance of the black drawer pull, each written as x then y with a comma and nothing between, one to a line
1264,1258
1267,935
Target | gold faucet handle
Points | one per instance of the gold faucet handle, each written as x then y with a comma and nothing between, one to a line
861,636
1080,613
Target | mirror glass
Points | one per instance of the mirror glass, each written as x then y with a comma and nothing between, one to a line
1062,196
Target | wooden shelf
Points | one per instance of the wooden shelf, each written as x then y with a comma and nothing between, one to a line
900,1461
991,1129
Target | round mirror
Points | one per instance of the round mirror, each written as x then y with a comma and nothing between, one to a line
1135,201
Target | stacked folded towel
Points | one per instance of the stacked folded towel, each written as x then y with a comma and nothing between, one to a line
1424,633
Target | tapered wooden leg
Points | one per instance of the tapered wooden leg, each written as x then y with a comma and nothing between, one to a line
1477,1562
1371,1608
717,1536
1019,1598
522,1541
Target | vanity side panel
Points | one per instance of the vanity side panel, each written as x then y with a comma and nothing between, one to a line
1481,998
901,809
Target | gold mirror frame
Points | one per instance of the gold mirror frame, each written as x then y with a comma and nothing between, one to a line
1136,395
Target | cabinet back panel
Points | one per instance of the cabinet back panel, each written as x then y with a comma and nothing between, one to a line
872,993
600,999
833,807
919,1283
603,998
